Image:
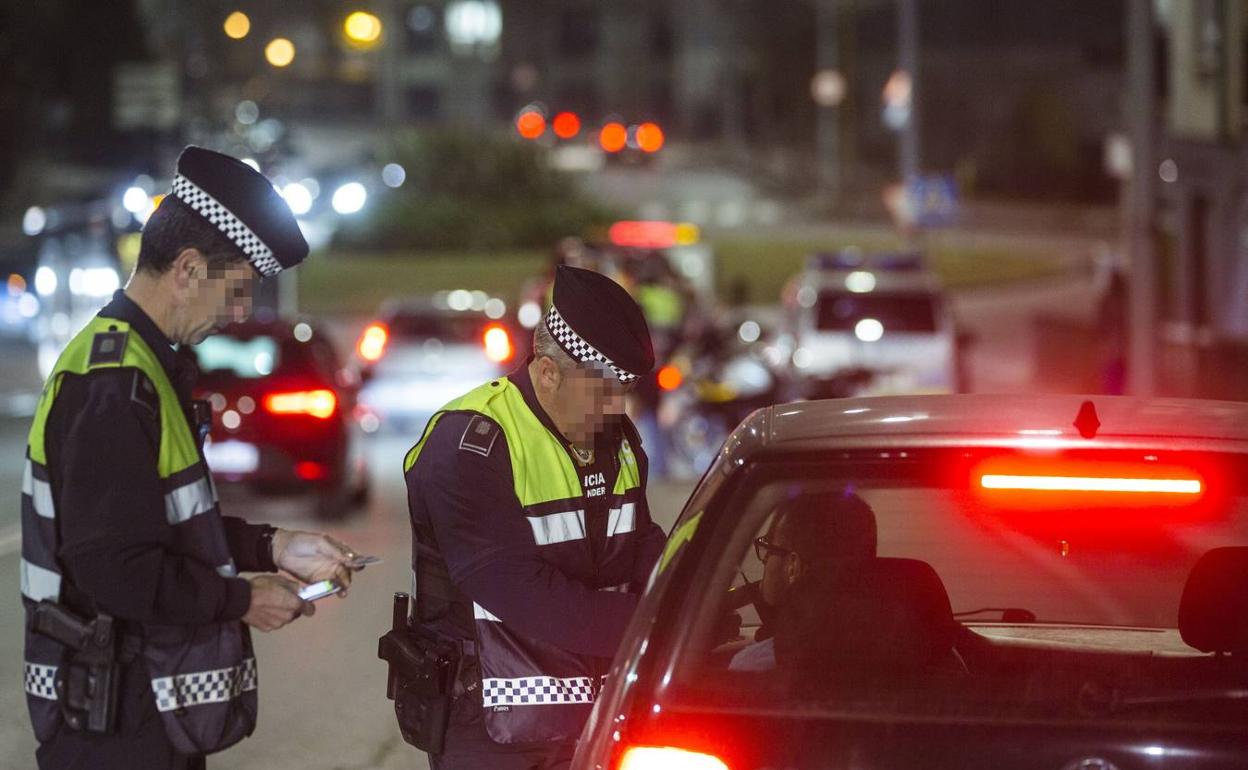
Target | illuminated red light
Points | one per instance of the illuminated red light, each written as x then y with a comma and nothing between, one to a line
650,137
1189,486
530,124
316,403
566,125
310,471
372,344
670,378
613,137
668,758
643,235
497,343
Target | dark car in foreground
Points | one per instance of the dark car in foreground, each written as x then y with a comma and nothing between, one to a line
283,413
1056,584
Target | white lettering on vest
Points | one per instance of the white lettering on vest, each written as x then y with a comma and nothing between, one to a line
594,484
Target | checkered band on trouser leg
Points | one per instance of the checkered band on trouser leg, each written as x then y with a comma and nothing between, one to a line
231,226
41,681
202,687
576,346
537,691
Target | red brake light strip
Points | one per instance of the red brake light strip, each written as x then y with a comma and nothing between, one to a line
1092,484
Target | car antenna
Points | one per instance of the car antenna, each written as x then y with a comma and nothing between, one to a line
1086,421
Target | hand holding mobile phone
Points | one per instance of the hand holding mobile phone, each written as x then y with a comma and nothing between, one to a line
319,590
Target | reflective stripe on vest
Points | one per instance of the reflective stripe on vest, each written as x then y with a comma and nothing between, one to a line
203,678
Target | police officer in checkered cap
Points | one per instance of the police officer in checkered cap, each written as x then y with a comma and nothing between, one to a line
532,536
120,519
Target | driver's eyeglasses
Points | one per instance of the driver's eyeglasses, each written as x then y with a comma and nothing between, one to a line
764,548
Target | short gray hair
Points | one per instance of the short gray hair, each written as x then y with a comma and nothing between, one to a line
544,345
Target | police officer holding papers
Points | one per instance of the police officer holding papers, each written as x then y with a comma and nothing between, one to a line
531,539
137,644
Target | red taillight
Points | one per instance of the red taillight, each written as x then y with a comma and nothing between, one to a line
372,344
643,235
530,124
670,378
668,758
613,137
497,343
1171,486
317,403
310,471
566,125
650,137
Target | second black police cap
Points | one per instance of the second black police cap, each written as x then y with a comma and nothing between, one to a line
241,203
596,321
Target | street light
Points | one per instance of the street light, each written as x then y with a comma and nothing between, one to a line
237,25
362,29
280,52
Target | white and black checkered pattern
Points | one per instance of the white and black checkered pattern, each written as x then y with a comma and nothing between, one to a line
260,255
574,345
41,681
203,687
537,691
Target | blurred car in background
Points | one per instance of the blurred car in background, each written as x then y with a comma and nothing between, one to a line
875,324
283,413
422,352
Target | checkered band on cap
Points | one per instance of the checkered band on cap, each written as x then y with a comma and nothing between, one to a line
580,350
41,681
260,255
204,687
537,691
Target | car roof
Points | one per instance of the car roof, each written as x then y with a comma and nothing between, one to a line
1006,421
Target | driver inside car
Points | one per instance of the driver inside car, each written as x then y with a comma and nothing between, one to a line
817,544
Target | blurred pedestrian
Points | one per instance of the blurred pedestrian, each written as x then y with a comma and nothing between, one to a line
138,653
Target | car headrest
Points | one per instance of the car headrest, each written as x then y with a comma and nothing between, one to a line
1213,613
895,616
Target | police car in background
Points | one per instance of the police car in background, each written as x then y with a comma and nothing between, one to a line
869,324
1056,584
422,352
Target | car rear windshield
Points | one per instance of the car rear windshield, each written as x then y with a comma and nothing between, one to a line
898,312
897,586
250,357
458,328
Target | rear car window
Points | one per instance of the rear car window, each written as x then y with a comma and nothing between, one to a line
252,357
898,312
458,328
895,593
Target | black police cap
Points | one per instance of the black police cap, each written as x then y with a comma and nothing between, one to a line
241,203
595,320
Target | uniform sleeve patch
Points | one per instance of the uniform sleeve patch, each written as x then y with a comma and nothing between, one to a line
144,392
107,348
480,436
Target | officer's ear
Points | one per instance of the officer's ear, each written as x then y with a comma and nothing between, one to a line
189,268
549,377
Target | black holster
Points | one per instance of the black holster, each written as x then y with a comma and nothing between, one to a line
423,670
87,681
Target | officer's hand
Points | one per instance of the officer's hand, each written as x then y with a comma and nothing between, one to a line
311,557
274,602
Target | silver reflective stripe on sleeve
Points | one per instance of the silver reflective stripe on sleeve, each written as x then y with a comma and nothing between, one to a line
41,681
558,527
39,583
622,519
188,501
201,687
481,613
40,492
536,691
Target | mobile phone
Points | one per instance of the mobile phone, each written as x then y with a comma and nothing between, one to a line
360,562
314,591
